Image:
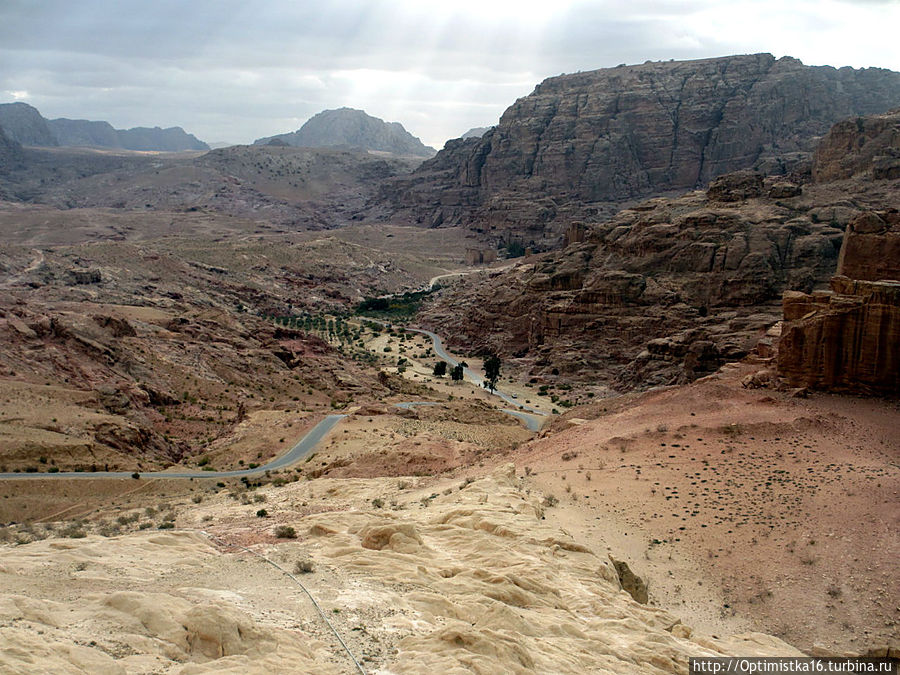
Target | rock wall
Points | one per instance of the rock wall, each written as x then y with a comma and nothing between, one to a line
24,124
623,133
663,292
846,339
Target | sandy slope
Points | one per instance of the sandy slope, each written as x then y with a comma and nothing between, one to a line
461,577
745,508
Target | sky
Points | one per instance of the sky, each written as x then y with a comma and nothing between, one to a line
235,70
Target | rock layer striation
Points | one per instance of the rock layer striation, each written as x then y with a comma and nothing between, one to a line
623,133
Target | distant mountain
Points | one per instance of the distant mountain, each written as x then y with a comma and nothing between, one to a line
24,124
476,132
102,135
173,139
84,133
349,128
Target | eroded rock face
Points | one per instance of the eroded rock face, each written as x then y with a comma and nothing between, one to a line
860,145
664,292
623,133
846,339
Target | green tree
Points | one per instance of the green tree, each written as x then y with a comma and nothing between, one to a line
440,368
457,373
492,371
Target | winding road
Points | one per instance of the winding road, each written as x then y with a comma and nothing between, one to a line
306,444
292,456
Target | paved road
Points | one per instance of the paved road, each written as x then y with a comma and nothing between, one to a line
473,376
295,454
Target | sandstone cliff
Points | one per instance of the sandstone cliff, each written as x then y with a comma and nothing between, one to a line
670,289
622,133
846,339
663,292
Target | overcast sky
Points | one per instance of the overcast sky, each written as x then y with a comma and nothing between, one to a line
235,70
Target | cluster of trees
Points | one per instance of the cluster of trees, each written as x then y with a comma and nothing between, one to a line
491,371
401,306
456,372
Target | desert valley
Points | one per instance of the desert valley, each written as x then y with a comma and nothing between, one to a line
606,386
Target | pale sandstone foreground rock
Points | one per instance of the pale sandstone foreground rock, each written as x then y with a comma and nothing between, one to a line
474,582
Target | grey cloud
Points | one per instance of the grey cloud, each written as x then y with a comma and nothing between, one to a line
235,71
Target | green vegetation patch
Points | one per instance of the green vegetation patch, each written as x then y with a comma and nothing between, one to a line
396,306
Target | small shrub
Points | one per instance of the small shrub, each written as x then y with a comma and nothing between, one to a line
74,531
262,513
304,566
285,532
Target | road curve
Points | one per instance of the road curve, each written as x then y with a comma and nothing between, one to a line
473,376
295,454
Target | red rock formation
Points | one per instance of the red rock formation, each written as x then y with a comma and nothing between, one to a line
871,249
847,339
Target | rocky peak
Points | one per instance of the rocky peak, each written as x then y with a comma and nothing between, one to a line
347,127
24,124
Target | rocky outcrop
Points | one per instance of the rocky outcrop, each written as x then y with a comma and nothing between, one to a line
871,248
846,339
664,292
24,125
346,127
623,133
860,145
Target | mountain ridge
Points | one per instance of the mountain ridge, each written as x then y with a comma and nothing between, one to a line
25,125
